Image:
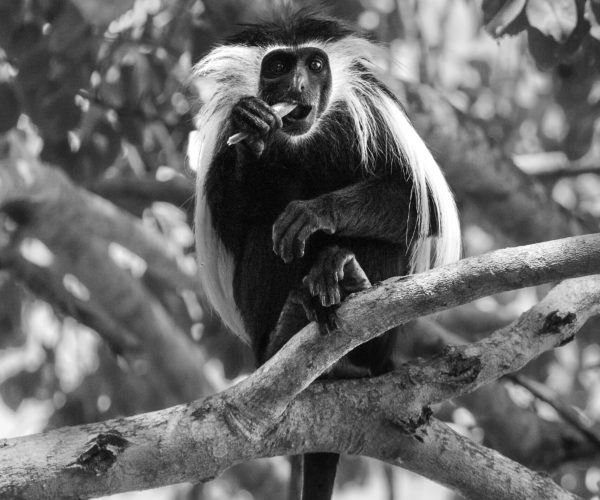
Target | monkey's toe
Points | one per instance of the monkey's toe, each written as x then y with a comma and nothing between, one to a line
324,316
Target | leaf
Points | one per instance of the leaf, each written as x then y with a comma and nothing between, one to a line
544,49
593,11
555,18
501,22
490,8
548,52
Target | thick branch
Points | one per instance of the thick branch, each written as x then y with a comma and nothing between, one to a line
386,417
516,432
195,442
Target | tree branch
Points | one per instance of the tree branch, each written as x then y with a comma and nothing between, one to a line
398,300
522,435
567,412
385,417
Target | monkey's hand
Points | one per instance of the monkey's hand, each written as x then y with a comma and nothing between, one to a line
334,276
254,117
299,220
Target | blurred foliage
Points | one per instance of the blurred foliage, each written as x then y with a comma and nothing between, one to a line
101,89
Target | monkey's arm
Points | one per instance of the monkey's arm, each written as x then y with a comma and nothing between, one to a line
380,208
232,180
227,194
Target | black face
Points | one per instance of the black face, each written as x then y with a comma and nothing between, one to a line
300,76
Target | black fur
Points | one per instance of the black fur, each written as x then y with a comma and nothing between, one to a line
249,187
293,29
247,194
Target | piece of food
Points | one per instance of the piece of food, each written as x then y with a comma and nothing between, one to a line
281,109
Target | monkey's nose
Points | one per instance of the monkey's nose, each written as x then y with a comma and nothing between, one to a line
300,80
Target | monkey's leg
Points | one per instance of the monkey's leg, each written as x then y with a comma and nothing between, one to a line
291,320
335,275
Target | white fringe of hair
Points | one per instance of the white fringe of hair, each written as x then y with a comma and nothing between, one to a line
235,73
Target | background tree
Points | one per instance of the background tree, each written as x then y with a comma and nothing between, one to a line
100,311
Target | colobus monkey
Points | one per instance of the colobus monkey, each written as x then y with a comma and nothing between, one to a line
340,185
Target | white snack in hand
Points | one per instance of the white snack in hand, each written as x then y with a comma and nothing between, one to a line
281,109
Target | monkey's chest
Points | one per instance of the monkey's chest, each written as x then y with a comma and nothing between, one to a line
268,194
274,187
262,281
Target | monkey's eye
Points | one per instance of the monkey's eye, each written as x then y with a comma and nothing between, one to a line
316,64
278,67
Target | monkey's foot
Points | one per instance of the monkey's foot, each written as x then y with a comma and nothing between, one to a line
325,317
335,275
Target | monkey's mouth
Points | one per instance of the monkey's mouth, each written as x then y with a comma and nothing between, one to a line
300,112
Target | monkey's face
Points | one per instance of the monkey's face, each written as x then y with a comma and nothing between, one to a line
301,76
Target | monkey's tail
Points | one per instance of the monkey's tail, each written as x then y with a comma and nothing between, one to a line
319,475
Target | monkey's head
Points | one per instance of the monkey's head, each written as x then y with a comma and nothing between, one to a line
299,75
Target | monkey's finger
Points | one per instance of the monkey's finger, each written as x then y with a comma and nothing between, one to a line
331,282
303,234
334,295
337,263
310,281
330,297
317,287
280,228
325,290
289,243
246,121
289,240
266,112
257,106
332,320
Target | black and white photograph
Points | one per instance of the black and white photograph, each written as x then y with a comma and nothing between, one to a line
300,249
